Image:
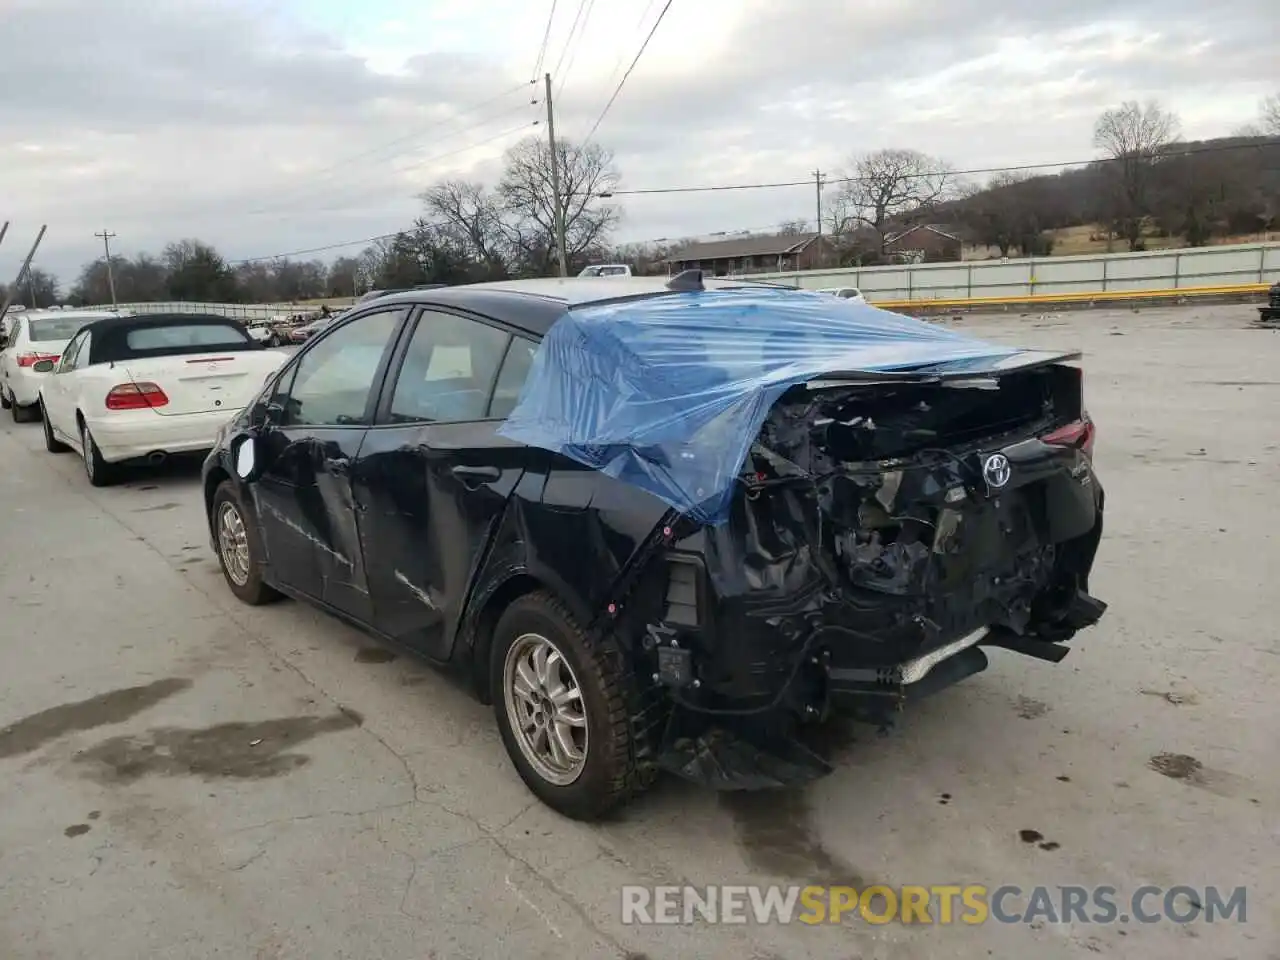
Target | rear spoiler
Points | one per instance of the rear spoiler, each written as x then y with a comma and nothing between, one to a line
956,370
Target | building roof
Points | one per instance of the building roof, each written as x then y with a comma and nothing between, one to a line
769,245
937,228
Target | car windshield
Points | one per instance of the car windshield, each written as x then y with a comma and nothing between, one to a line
179,336
54,328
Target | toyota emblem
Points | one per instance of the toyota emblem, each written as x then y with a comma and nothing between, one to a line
996,470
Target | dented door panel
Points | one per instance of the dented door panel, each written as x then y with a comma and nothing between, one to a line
430,497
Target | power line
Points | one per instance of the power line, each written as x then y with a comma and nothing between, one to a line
421,131
582,16
324,249
623,81
622,55
357,201
542,50
276,209
1190,151
729,234
364,241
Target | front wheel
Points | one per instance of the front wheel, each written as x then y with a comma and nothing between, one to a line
560,701
240,552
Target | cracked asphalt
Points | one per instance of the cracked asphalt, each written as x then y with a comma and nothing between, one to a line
182,776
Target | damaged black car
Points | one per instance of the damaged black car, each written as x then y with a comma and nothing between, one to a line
667,525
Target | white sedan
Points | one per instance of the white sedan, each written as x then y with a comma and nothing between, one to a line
34,336
845,293
142,388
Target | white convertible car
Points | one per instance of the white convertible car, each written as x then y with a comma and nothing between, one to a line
142,388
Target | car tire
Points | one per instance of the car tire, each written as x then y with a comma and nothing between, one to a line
99,472
51,443
23,414
606,773
4,400
240,555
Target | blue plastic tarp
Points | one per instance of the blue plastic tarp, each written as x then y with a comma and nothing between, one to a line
669,392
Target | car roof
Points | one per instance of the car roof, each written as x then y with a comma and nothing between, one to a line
108,322
534,305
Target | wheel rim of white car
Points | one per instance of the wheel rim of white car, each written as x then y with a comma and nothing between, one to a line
233,544
545,709
86,447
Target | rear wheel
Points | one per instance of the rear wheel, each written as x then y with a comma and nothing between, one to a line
99,472
559,698
239,546
4,400
51,443
23,414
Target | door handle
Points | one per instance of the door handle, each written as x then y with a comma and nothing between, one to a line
473,477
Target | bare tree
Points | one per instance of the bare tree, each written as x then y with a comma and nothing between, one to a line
343,276
793,228
474,216
997,213
886,186
1134,137
586,174
39,288
1271,115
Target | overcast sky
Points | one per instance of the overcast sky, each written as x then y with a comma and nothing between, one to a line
268,126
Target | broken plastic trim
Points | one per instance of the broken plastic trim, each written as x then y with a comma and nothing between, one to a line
916,670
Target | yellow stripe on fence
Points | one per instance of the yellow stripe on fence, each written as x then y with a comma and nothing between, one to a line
1082,297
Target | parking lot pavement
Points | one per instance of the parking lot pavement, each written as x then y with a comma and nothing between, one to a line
183,776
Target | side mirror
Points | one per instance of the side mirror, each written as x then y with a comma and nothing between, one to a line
245,456
44,366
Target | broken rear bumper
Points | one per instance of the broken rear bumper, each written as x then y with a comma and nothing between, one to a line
874,694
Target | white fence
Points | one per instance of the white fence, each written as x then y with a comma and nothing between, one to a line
1160,270
240,311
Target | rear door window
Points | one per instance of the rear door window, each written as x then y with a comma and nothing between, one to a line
511,378
448,369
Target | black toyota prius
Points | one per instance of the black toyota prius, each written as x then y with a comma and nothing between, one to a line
667,525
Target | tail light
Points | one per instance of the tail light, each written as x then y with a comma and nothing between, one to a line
136,396
31,359
1079,434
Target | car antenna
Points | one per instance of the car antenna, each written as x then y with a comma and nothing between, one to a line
686,280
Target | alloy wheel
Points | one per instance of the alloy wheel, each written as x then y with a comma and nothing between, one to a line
233,543
86,448
545,708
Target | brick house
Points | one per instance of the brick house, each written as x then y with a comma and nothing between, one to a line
754,254
927,242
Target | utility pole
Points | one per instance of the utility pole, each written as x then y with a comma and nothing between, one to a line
4,230
22,272
818,181
557,202
106,237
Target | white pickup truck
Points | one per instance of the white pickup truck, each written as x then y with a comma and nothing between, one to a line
606,270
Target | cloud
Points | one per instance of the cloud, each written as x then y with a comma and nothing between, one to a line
266,128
